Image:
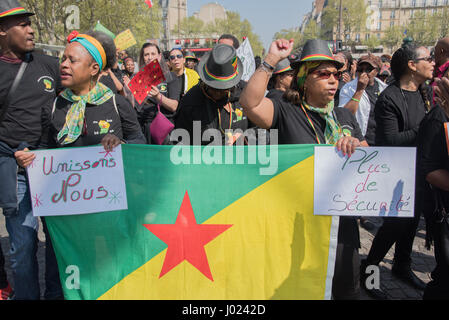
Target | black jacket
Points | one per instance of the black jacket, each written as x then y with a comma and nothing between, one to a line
392,125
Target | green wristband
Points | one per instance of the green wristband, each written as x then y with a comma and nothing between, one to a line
356,100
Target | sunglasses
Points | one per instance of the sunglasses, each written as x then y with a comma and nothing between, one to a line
179,56
428,59
324,74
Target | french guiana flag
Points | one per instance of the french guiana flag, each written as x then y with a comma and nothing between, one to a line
149,3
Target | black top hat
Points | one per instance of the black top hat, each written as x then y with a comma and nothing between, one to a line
10,8
221,68
316,50
282,66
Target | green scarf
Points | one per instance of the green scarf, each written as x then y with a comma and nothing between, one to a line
75,116
333,130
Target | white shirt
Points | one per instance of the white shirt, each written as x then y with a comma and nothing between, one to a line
363,112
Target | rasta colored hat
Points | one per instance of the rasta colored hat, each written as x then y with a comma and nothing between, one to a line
282,66
190,55
316,50
10,8
221,68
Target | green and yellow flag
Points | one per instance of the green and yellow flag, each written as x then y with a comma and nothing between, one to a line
200,231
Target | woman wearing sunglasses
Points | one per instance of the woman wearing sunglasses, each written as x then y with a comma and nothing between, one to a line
398,113
306,115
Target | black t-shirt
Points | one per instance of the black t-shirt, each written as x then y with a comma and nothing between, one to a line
291,121
119,119
294,128
195,106
29,109
416,110
432,153
275,94
373,93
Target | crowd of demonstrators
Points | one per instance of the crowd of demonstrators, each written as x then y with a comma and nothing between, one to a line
25,110
399,111
310,98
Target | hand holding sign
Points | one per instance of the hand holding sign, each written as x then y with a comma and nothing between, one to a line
372,182
142,82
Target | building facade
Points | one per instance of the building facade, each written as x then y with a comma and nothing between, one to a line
381,16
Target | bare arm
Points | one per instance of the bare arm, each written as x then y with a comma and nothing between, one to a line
169,104
439,178
260,110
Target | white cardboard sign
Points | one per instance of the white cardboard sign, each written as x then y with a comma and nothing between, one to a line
374,181
74,181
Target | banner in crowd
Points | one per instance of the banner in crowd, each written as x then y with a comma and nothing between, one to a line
125,40
245,53
141,83
374,181
102,28
73,181
202,231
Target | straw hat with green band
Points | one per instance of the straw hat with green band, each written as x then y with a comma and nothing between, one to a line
316,50
221,68
9,8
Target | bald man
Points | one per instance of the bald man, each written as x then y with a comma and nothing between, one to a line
442,57
441,61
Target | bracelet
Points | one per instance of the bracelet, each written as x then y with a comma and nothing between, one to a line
268,71
354,99
268,66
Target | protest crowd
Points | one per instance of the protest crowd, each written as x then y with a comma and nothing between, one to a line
310,96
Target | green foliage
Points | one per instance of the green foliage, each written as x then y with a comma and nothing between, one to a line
117,16
235,26
288,34
393,38
189,27
354,17
426,29
371,43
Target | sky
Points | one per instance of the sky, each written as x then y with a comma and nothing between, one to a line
266,16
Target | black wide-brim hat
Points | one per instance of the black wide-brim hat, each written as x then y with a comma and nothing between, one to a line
10,8
221,68
316,50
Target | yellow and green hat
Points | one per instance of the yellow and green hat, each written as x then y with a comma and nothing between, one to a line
10,8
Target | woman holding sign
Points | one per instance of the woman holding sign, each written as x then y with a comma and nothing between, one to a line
87,112
399,111
306,115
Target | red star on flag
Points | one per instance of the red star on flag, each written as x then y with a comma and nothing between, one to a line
186,239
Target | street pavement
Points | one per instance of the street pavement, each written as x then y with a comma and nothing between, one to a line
423,261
